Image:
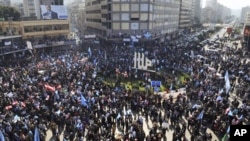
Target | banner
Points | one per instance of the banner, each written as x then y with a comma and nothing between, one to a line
29,45
7,43
54,12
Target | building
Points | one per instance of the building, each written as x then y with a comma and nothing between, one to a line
246,32
215,12
52,2
185,16
42,35
36,29
196,12
19,7
244,12
123,18
77,15
32,8
5,2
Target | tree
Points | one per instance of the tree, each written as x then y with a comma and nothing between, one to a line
7,12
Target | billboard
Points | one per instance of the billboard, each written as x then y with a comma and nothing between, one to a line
54,12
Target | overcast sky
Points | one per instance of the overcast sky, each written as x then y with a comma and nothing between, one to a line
233,4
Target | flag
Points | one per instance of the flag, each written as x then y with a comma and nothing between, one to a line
49,88
171,86
201,115
105,55
2,136
227,82
29,45
118,116
89,51
84,101
225,137
36,135
228,129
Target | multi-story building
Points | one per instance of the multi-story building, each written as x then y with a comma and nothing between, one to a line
32,8
215,12
51,2
37,29
185,14
196,12
118,18
246,31
244,12
5,2
77,14
19,7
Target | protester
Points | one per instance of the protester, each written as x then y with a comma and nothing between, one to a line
65,93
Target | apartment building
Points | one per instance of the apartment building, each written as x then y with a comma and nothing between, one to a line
119,18
244,12
196,12
246,31
185,14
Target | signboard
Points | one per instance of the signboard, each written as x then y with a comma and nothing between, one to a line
7,43
155,83
54,12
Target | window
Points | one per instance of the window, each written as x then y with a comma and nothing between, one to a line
116,7
124,7
125,26
116,26
125,17
116,16
144,7
134,7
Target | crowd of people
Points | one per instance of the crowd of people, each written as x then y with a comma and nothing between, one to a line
63,93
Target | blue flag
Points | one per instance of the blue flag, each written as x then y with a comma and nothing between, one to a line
36,135
2,136
90,52
201,115
84,101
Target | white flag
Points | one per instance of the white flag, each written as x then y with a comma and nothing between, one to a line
227,82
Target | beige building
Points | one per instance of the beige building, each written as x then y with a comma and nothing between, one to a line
36,29
118,18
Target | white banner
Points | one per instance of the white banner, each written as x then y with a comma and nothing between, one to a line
29,45
7,43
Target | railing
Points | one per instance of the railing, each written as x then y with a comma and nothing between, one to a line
10,50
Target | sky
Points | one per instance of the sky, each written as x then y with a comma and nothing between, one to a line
232,4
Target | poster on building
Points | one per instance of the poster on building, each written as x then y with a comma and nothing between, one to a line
54,12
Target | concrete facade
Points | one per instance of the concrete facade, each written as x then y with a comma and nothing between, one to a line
185,14
244,12
37,29
132,17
